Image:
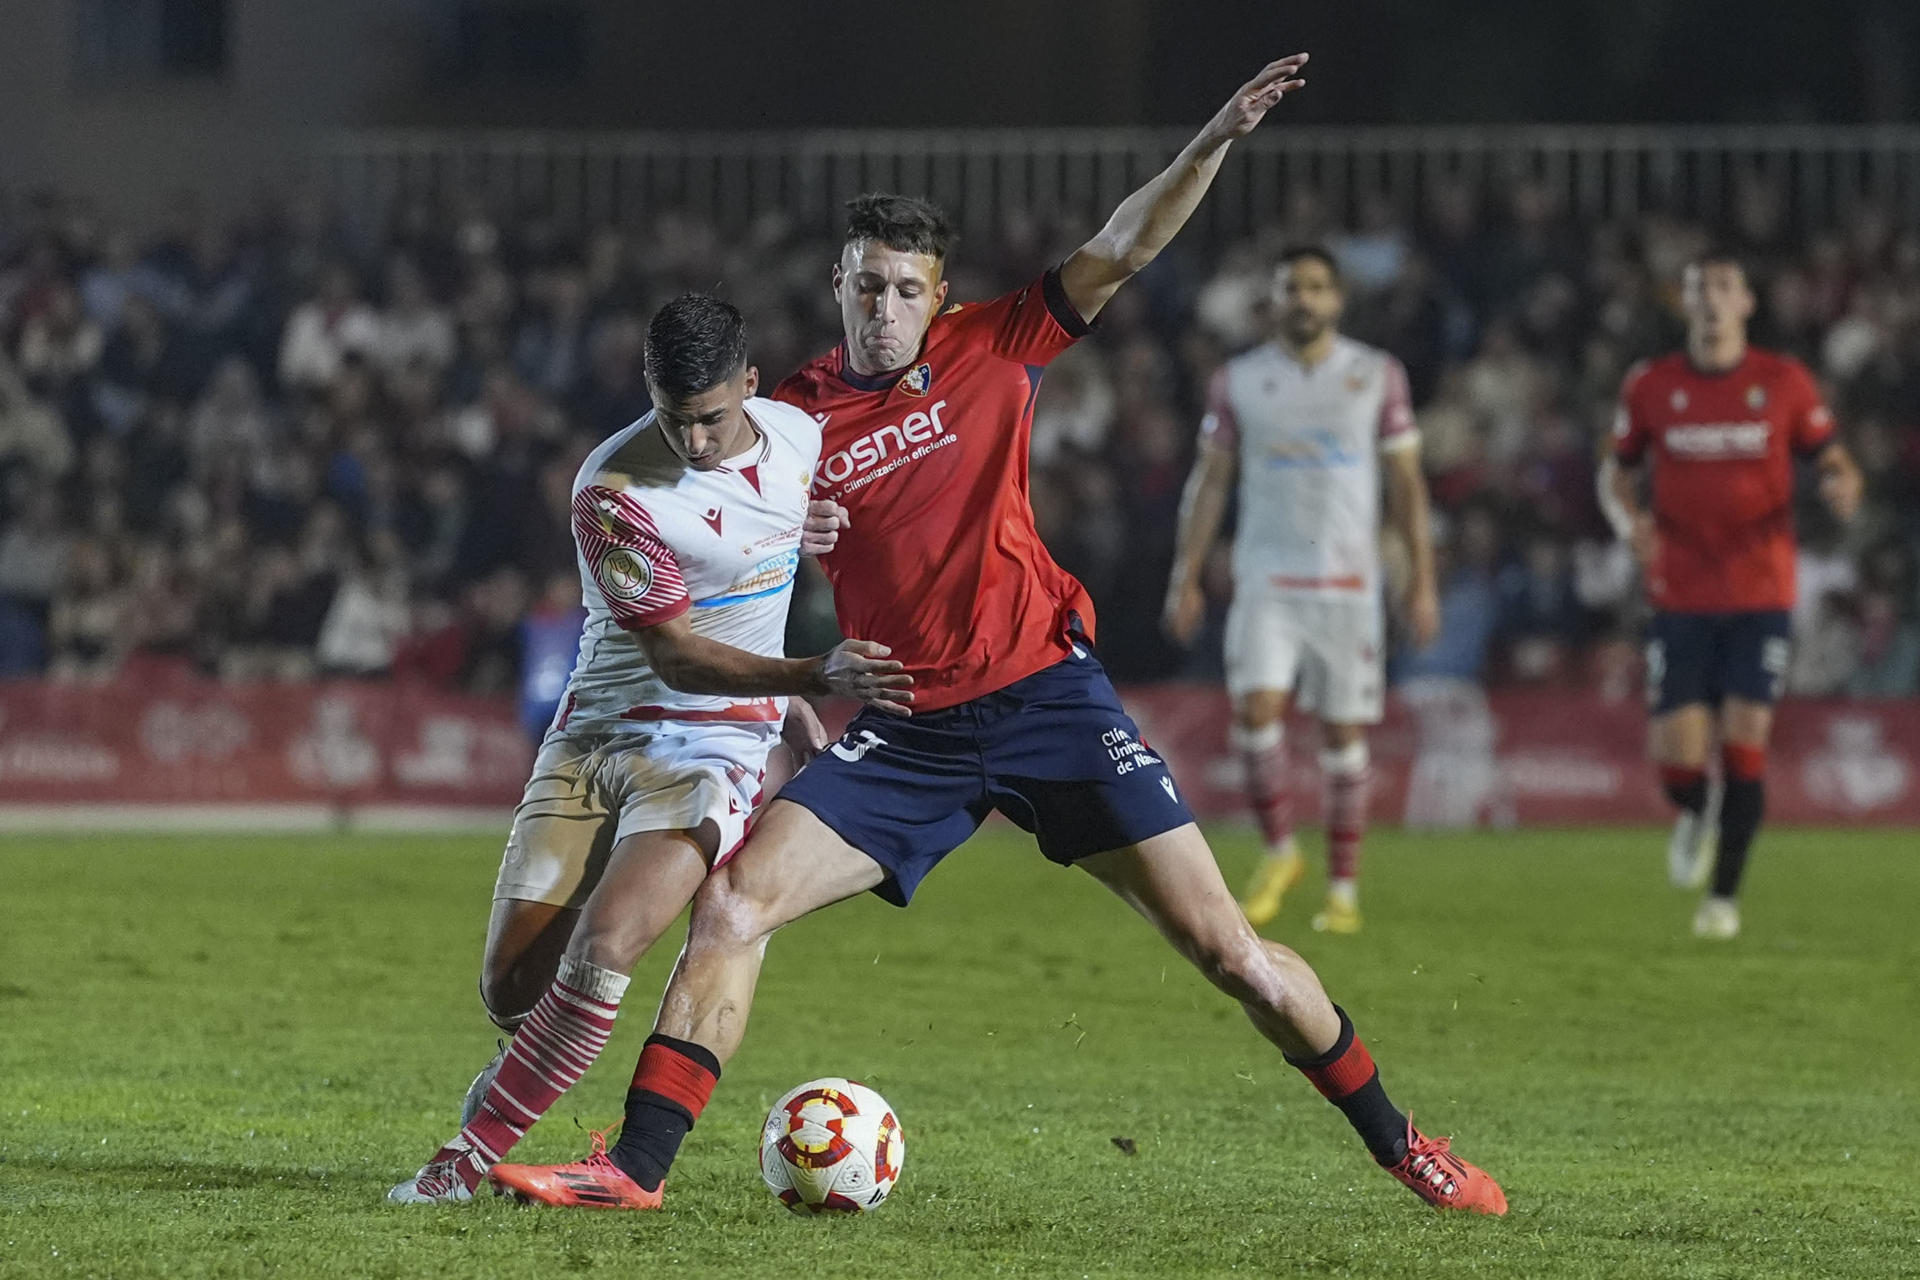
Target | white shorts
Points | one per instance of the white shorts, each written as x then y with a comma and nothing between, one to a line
1326,652
589,791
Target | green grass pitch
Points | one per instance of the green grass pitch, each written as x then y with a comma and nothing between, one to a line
217,1053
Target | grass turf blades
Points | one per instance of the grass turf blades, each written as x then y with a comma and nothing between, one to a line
217,1053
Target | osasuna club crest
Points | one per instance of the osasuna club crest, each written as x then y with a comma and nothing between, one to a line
918,380
1756,398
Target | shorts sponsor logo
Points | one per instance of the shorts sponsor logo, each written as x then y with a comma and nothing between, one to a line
887,449
1127,752
854,746
625,574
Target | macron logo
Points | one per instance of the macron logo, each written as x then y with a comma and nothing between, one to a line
876,447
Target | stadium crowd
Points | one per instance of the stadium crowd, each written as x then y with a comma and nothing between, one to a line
271,447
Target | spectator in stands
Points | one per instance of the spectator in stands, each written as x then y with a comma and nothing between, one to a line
87,624
324,330
414,330
268,476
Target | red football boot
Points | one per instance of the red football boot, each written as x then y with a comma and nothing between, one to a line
1431,1171
594,1183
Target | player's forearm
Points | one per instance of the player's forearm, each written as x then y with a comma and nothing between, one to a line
1619,497
1147,221
1203,508
695,664
1413,518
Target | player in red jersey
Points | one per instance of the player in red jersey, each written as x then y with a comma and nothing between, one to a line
926,410
1721,424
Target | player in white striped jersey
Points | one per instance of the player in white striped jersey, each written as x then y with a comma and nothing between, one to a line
1305,422
688,528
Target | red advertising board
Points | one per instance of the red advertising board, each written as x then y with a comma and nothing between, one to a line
1448,755
188,741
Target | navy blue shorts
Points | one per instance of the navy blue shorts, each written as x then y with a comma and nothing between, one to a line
1706,657
1054,752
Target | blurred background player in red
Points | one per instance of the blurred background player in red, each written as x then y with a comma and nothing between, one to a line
1719,425
1306,423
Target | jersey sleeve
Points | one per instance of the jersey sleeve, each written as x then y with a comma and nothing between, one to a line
633,568
1033,324
1220,426
1630,432
1810,426
1397,429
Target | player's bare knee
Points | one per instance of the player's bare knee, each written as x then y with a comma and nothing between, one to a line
1258,709
726,915
506,996
607,947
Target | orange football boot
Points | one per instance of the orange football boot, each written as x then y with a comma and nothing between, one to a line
1431,1171
594,1183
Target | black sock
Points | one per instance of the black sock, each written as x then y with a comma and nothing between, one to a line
1742,806
1689,794
669,1088
1346,1077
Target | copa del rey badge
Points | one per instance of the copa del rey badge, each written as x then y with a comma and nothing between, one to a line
918,380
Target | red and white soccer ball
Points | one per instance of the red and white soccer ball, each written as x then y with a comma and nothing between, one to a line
831,1146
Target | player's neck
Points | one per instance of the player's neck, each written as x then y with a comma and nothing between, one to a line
755,437
1709,356
1309,354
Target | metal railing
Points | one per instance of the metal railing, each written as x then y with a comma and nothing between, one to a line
985,177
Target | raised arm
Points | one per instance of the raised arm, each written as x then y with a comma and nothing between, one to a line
692,663
1149,218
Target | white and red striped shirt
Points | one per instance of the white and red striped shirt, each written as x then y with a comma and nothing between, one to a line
657,538
1309,441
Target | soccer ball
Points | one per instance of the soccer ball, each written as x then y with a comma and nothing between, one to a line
831,1146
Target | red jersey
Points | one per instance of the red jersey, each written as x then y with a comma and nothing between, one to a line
942,563
1723,446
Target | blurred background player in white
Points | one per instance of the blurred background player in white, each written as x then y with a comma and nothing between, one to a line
687,527
1305,421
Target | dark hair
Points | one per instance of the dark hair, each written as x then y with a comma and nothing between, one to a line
694,343
907,224
1297,253
1717,255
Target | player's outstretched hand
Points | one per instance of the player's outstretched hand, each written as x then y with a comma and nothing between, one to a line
1186,606
803,733
820,531
1248,107
861,669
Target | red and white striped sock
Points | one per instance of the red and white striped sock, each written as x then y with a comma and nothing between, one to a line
554,1047
1264,752
1348,775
